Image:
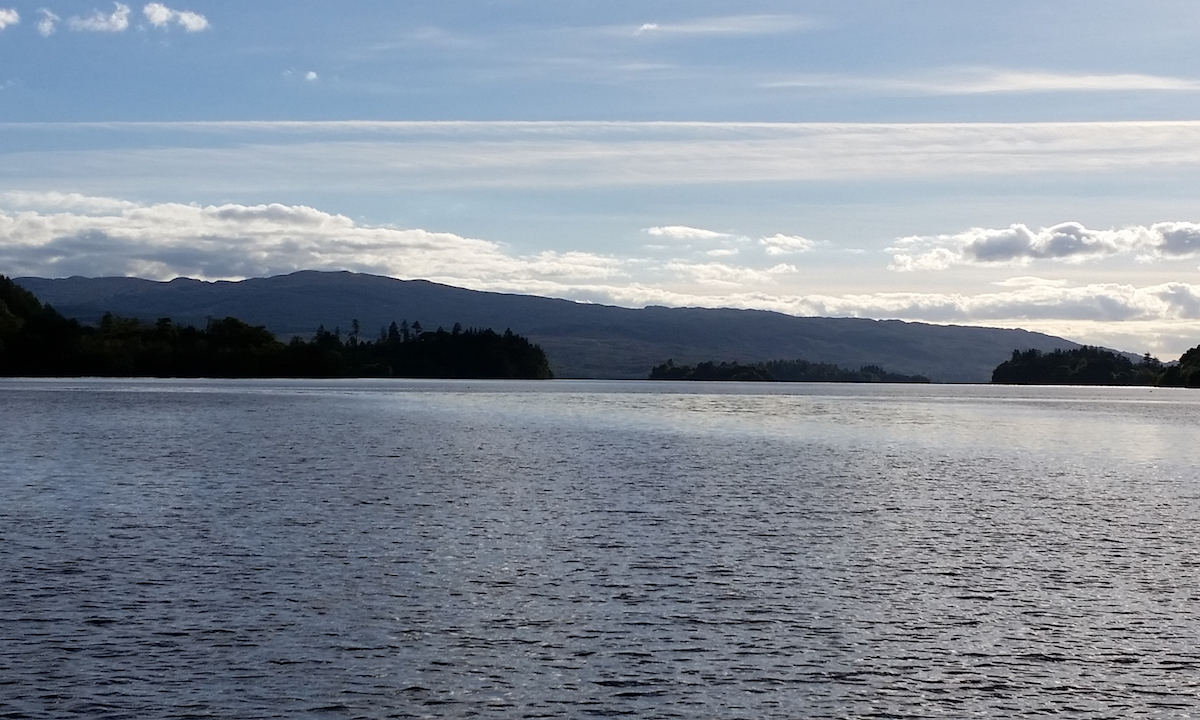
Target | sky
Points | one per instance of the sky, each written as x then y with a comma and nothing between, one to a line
1022,164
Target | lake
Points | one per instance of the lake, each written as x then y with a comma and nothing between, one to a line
377,549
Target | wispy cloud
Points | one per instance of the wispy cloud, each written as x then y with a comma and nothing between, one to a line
57,201
980,81
9,16
682,232
118,21
726,25
1107,302
581,154
726,275
47,25
305,75
1031,82
1025,281
1067,242
786,244
161,16
774,245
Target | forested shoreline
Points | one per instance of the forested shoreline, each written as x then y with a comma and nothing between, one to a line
1080,366
779,371
1096,366
37,341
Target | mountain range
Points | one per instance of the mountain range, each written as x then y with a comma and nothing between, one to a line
580,339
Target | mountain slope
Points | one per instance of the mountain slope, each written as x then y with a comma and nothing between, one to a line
581,340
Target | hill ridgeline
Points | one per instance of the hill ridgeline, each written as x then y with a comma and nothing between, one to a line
579,339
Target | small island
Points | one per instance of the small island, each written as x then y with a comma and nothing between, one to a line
779,371
1096,366
37,341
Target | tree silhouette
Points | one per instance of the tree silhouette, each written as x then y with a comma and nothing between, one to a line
1080,366
36,341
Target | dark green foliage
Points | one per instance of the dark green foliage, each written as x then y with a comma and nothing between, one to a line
461,353
804,371
37,341
9,323
1081,366
781,371
17,301
1184,374
34,338
711,371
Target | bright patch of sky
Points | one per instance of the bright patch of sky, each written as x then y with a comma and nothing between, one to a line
1021,164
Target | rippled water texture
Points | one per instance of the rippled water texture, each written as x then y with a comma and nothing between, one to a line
573,549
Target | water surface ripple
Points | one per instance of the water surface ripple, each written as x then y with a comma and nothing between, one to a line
571,549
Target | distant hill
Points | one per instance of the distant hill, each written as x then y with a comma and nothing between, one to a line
581,340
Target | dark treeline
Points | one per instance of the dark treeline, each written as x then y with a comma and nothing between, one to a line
1186,373
1095,366
35,340
779,371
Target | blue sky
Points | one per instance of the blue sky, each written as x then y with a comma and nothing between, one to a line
1025,164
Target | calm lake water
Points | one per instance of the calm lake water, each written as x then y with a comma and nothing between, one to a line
589,549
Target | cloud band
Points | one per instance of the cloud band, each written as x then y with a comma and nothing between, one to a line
1068,242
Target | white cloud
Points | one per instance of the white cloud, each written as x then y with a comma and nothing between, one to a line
1068,242
118,21
1008,81
307,76
1025,281
9,16
54,201
161,16
47,25
729,25
722,274
786,244
682,232
981,81
1176,239
192,22
158,14
934,259
575,266
73,234
704,242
